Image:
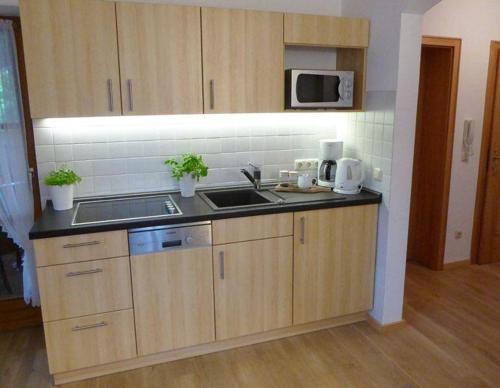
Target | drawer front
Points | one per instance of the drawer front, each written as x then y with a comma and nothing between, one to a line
89,341
83,247
252,228
92,287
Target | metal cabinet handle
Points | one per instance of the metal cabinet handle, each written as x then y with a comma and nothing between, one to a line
130,96
221,264
88,272
83,244
93,326
110,95
302,230
212,94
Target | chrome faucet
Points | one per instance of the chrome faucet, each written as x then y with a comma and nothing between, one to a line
255,178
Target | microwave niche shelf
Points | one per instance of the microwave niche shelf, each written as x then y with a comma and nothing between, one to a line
330,58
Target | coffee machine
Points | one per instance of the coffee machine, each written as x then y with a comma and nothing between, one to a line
330,151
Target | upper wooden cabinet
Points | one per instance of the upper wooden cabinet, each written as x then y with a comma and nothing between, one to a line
328,31
160,58
71,57
334,262
242,61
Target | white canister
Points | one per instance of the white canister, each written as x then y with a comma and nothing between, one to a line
62,197
188,186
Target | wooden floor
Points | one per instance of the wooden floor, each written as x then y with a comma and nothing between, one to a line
452,339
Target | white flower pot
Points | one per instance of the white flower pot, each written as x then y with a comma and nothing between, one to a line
62,197
187,184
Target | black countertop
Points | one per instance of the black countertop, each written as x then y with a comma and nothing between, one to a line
59,223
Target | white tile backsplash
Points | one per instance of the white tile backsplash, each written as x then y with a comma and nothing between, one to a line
117,155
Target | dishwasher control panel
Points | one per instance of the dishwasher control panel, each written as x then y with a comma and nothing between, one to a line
171,237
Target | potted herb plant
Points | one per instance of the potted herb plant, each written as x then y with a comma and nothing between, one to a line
61,183
188,170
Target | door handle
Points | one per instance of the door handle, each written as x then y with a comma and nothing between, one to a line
302,230
110,95
88,272
221,264
130,96
212,94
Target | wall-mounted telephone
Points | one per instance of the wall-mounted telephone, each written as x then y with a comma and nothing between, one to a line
467,140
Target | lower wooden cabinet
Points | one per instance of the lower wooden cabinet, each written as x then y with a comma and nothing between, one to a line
88,341
253,286
173,299
334,262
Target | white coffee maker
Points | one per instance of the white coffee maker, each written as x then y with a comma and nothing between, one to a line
330,150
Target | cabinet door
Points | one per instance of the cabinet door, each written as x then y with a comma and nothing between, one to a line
160,58
242,61
173,299
315,30
334,254
71,57
253,286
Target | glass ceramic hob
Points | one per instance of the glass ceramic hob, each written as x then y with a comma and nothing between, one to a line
132,208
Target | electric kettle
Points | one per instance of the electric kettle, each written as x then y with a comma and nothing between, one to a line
350,176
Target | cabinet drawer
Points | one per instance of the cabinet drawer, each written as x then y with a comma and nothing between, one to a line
73,290
88,341
83,247
252,228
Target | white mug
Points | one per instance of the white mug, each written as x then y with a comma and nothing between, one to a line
305,181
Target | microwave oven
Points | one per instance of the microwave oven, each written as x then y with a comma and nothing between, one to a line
310,89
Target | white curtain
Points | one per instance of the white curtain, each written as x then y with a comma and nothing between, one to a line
16,198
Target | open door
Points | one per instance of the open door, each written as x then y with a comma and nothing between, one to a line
433,151
486,234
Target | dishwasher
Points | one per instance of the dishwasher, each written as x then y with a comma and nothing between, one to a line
172,283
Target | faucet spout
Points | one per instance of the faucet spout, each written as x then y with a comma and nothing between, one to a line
255,178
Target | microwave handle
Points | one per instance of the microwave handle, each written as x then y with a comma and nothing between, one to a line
341,88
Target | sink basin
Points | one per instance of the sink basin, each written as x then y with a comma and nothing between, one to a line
238,198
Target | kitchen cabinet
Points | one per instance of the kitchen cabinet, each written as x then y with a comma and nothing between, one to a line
160,58
173,299
253,286
334,262
71,57
326,31
242,61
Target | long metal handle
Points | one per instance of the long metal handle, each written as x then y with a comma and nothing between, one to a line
93,326
302,230
110,95
212,94
88,272
83,244
130,96
221,264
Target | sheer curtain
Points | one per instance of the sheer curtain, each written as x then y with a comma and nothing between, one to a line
16,199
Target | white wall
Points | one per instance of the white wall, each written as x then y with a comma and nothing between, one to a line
477,23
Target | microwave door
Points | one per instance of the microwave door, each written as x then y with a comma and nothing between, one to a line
317,90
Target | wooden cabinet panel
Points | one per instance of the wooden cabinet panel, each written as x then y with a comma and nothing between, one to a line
71,57
160,58
82,247
92,287
334,262
173,299
253,286
315,30
252,228
91,340
242,61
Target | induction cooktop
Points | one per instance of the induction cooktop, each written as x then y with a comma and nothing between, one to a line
121,209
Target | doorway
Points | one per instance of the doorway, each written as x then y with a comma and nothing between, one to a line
439,68
486,233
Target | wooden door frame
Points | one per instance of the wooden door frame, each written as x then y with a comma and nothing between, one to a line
485,149
456,45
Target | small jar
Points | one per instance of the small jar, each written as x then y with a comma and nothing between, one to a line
293,177
284,178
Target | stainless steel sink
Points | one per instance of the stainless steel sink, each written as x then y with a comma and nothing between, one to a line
238,198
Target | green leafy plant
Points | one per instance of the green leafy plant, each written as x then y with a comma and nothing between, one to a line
61,177
189,164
